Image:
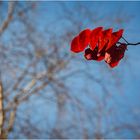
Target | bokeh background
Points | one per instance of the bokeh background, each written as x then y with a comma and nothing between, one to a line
50,92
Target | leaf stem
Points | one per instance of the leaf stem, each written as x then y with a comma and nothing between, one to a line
127,43
124,39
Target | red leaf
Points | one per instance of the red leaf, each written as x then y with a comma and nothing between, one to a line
114,64
80,42
102,45
92,55
100,58
75,46
111,59
108,57
104,39
114,56
84,38
114,38
94,37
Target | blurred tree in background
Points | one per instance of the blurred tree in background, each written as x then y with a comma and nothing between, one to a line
48,92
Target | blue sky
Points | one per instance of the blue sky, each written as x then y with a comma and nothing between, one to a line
125,75
127,72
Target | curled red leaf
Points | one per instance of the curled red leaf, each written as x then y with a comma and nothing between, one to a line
80,42
94,37
102,45
115,54
75,46
84,38
104,39
93,55
115,37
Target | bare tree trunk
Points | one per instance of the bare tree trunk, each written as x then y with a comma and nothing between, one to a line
2,29
1,112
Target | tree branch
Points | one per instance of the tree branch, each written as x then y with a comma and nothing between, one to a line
132,44
138,43
128,43
9,17
1,111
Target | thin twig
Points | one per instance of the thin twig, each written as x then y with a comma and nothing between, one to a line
132,44
124,39
127,43
138,43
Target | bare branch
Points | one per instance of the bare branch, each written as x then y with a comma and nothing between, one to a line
9,17
1,111
128,43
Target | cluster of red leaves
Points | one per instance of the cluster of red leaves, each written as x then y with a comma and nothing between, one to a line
102,45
